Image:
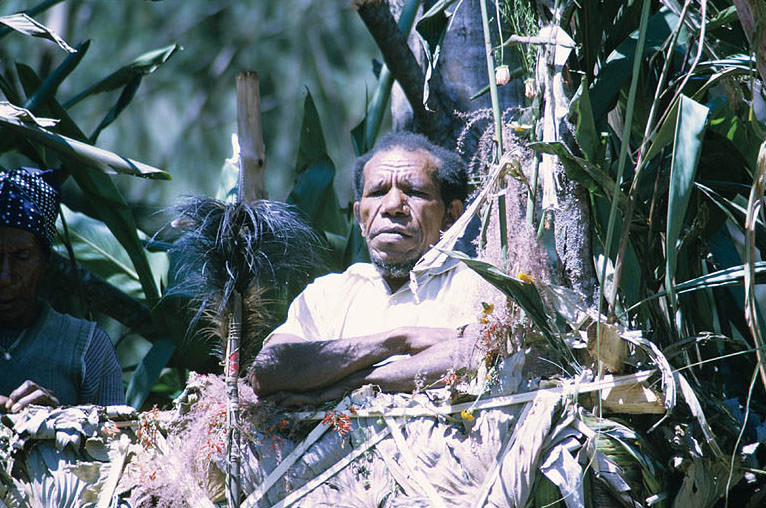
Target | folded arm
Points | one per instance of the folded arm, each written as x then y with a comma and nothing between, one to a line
289,363
422,369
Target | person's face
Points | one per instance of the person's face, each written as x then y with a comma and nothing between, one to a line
401,212
22,263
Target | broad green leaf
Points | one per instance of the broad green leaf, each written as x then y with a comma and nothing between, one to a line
618,66
311,146
76,152
24,24
735,213
97,249
148,371
144,64
431,29
313,192
687,147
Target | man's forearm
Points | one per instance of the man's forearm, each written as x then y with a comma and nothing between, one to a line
424,368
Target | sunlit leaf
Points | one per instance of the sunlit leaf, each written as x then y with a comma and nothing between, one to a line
687,146
28,26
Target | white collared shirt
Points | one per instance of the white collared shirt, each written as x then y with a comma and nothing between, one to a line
358,302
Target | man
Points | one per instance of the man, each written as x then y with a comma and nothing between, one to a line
343,327
46,358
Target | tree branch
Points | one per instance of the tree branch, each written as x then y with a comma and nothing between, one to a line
436,120
752,14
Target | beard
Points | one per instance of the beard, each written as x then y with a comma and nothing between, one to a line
399,270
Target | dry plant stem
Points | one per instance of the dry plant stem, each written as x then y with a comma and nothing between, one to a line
233,485
754,207
492,83
436,121
519,39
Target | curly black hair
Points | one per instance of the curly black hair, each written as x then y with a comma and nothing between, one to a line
451,175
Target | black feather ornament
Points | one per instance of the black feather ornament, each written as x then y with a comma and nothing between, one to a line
264,251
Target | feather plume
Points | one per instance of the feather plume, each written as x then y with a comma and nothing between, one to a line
264,250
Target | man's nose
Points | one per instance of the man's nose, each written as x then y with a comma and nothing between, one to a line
395,202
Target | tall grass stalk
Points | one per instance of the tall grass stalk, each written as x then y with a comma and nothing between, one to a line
492,83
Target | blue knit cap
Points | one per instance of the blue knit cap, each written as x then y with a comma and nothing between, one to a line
29,200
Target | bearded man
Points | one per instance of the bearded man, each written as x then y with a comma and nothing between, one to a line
46,358
395,323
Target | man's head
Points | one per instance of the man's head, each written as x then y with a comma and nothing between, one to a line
408,191
28,209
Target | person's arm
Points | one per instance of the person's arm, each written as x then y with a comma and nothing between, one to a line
102,375
404,375
289,363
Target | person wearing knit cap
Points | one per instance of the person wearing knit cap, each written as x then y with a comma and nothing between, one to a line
46,358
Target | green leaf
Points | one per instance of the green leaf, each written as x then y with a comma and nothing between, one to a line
313,192
585,129
77,152
687,147
97,249
148,371
431,28
144,64
123,100
59,74
312,146
618,66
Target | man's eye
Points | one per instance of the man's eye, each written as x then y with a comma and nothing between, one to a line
23,255
375,193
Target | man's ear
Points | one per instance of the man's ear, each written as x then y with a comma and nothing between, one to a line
454,210
358,218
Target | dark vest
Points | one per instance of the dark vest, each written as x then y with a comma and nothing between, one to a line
50,354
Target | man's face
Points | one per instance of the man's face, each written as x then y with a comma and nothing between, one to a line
401,212
22,263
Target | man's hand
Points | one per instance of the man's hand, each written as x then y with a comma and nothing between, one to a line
28,393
